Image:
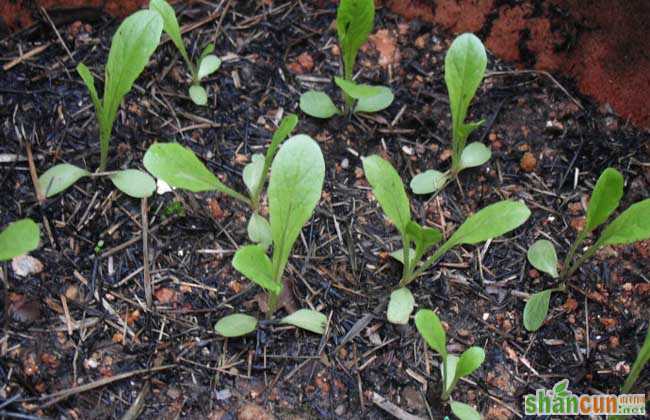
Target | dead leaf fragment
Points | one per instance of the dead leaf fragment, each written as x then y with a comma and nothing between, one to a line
26,265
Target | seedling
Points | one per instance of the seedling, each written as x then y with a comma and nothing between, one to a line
206,64
641,360
453,367
179,167
465,65
630,226
18,238
133,44
354,22
297,175
494,220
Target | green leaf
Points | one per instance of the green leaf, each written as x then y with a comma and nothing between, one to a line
89,80
400,306
18,238
295,187
474,154
252,173
492,221
450,362
605,198
536,309
355,90
134,183
252,261
632,225
307,320
430,328
198,95
179,167
399,255
170,25
317,104
354,21
641,360
235,325
469,361
388,189
464,411
560,388
285,128
542,256
208,65
60,177
133,44
375,103
424,237
465,65
428,181
209,49
259,231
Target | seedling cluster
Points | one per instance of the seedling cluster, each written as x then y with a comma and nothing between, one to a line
297,172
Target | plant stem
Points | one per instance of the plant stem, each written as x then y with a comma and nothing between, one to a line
588,254
428,263
234,194
272,304
444,396
582,235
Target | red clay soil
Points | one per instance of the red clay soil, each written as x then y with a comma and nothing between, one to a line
600,43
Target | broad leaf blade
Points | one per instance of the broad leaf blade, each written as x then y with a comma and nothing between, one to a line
60,177
89,80
605,198
285,128
400,306
252,261
399,255
307,320
388,189
198,95
469,361
356,90
235,325
375,103
428,182
18,238
474,154
630,226
450,362
430,328
317,104
179,167
492,221
354,21
252,173
536,309
297,175
423,236
170,25
542,256
464,411
259,231
134,183
208,65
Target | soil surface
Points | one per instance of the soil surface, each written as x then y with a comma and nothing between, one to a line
79,342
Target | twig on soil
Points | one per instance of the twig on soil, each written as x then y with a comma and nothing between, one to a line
22,57
145,255
56,31
392,409
33,173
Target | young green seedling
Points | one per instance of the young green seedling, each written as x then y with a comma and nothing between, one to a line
179,167
295,186
630,226
354,22
133,44
494,220
206,64
452,367
465,65
18,238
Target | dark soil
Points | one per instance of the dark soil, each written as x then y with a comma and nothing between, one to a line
58,335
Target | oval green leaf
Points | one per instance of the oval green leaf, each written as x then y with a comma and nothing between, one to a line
134,183
428,182
317,104
388,189
464,411
354,21
60,177
536,309
400,306
252,262
542,256
259,231
209,64
307,320
18,238
198,95
492,221
235,325
252,173
605,198
475,154
469,361
375,103
451,362
179,167
399,255
430,328
170,25
632,225
356,90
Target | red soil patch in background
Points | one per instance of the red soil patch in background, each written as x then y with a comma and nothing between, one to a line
601,43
